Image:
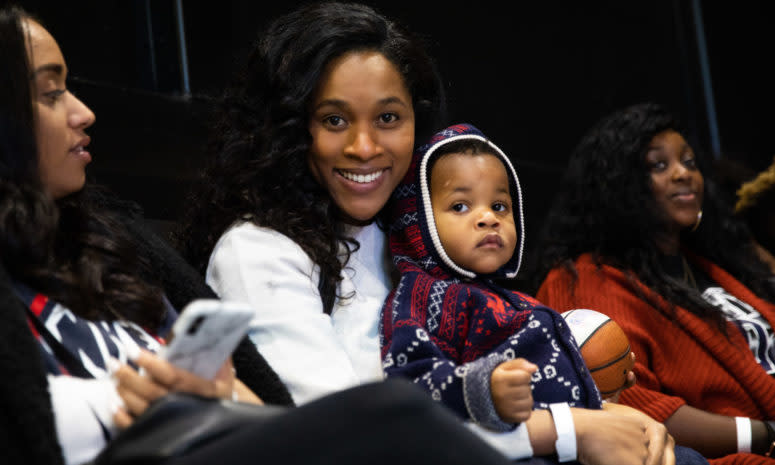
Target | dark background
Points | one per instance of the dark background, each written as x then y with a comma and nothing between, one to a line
533,77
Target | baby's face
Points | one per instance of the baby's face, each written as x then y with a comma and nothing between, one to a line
473,210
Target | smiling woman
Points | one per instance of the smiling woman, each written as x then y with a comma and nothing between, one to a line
362,128
677,185
637,232
314,136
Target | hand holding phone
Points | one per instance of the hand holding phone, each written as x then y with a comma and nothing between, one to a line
205,334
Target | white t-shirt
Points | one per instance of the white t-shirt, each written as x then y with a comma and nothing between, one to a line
313,353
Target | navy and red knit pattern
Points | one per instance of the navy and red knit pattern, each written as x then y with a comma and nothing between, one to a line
447,334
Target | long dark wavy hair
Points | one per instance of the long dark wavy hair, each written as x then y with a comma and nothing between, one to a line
257,170
605,207
70,249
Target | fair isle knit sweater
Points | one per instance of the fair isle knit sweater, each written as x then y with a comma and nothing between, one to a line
680,361
447,329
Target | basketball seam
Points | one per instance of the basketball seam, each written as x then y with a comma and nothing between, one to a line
593,333
626,353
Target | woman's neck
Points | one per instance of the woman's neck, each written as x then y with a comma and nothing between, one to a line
350,221
669,243
353,222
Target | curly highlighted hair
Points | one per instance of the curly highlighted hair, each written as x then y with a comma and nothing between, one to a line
605,207
258,166
750,193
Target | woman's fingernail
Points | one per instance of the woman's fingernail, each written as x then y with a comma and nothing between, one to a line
132,352
112,365
116,405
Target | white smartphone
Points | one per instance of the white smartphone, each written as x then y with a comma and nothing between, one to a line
205,334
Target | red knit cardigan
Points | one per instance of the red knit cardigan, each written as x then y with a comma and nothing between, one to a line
679,361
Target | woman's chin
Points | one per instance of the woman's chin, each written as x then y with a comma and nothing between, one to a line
360,215
357,221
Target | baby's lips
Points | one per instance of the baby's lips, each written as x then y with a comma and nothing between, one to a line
491,239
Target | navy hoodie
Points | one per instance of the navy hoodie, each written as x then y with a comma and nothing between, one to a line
447,328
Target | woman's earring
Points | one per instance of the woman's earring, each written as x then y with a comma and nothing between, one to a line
697,223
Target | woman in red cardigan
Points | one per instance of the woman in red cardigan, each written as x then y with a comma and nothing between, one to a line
638,233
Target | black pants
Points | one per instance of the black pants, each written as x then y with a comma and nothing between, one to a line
391,422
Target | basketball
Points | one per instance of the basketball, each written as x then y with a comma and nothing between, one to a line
604,348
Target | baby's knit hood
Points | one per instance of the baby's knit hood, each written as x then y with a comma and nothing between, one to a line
413,234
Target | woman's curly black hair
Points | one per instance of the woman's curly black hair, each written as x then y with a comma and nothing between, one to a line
605,207
257,170
72,249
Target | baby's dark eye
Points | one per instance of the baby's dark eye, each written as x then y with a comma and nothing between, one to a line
690,163
500,207
460,207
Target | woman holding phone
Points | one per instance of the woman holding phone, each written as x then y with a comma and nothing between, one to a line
99,288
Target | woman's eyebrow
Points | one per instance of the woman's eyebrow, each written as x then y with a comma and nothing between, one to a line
331,101
343,104
55,68
389,100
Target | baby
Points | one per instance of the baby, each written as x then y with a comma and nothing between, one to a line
456,226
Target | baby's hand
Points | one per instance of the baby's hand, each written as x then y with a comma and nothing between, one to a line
510,390
629,383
